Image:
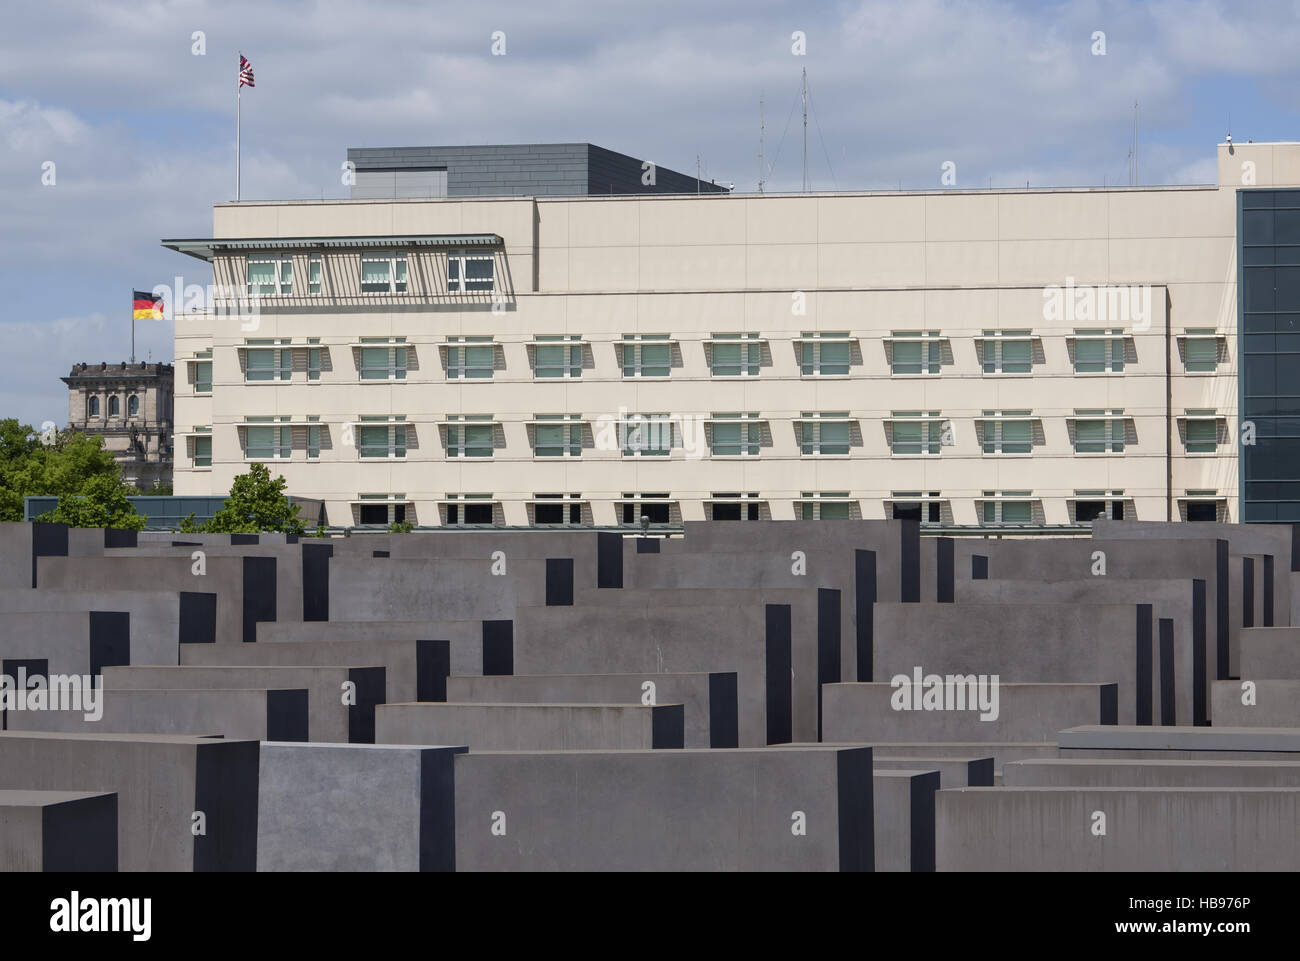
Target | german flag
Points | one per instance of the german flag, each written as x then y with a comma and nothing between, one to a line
146,306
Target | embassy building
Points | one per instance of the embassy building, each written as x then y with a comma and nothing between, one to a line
562,335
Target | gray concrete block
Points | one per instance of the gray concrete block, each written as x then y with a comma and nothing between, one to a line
155,616
1121,772
160,781
1048,643
708,699
532,727
355,807
58,831
903,801
1272,703
259,715
341,700
1147,829
1010,712
769,809
1271,652
68,643
953,772
413,670
1129,738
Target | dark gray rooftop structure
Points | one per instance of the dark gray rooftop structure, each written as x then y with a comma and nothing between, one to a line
512,170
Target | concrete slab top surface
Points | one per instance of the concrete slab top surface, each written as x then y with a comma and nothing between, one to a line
136,738
1114,789
313,745
16,798
530,704
1135,737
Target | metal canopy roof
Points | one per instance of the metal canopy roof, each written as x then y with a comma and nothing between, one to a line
205,248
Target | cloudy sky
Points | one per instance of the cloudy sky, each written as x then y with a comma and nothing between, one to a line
137,116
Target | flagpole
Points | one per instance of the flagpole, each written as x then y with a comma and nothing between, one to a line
238,89
133,325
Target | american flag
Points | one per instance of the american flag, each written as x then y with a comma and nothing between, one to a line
245,71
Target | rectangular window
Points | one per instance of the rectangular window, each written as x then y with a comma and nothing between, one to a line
557,436
468,273
1201,353
314,274
736,355
203,451
469,509
269,275
926,508
825,433
265,438
656,508
1008,511
647,355
1008,352
647,435
557,509
383,273
203,377
470,438
1099,436
916,436
825,354
313,359
383,361
1008,436
1202,433
736,435
916,352
826,506
1097,351
313,437
734,506
557,357
472,358
379,438
267,363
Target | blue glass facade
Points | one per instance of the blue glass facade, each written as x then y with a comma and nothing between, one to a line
1268,342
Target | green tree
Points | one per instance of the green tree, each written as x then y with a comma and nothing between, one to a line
101,503
158,489
61,463
256,503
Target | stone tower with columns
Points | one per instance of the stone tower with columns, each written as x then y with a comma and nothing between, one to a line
130,406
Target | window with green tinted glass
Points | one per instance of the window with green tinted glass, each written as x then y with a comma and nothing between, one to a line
915,436
267,442
470,439
1201,353
915,354
381,440
1202,436
736,436
825,436
1008,436
203,377
736,356
1010,353
268,363
649,356
383,362
557,439
1096,352
1098,436
202,451
827,356
471,361
556,357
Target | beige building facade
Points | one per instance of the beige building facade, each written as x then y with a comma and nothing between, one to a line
974,358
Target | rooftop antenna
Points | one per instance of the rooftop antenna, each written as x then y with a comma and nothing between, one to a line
1135,143
762,129
804,95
